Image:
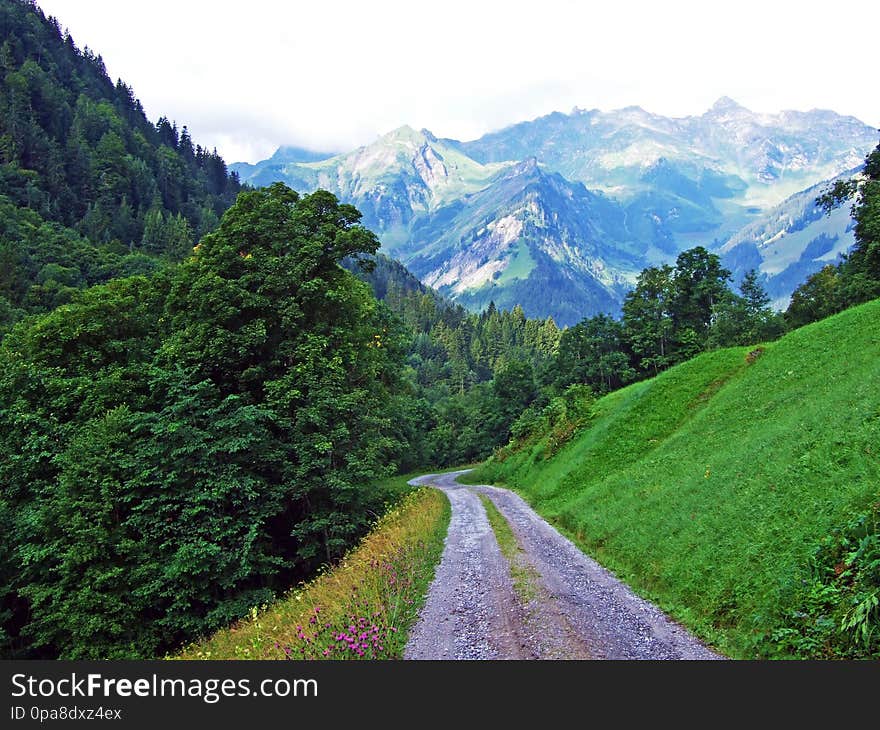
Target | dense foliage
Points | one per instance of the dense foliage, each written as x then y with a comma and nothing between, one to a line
176,447
42,264
99,190
469,375
836,611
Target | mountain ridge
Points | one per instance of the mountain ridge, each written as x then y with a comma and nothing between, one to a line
505,242
792,240
676,182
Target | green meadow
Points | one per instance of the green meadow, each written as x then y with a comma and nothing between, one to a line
739,490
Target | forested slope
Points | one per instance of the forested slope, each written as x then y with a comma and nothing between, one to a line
90,189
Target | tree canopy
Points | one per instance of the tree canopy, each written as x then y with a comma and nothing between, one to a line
179,446
856,279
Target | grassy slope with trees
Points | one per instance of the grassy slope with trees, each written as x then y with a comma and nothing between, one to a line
711,487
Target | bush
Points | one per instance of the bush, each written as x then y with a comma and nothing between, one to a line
838,609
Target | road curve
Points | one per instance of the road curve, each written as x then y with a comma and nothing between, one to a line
576,610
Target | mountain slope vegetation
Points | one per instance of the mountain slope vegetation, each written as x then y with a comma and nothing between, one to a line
90,189
723,487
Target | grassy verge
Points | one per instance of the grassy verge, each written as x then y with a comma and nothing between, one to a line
448,469
475,476
525,577
363,608
739,495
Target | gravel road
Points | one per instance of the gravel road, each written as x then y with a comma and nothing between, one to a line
575,609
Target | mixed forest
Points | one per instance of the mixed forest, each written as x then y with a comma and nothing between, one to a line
202,383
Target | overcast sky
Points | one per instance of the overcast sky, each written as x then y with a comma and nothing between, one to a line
249,76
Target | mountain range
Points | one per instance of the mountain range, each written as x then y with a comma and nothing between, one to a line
559,214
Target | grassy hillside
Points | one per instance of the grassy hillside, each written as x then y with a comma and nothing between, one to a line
740,493
362,608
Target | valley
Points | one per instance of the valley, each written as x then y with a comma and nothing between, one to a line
652,340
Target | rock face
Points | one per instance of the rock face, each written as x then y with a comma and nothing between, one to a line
728,140
530,238
560,213
402,175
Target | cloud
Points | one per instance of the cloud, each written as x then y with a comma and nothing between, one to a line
336,75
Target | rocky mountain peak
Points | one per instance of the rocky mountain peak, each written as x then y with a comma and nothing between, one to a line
527,168
725,105
405,136
291,153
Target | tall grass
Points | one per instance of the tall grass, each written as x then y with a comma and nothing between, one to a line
711,488
363,608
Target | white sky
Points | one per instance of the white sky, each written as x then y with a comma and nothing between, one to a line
248,76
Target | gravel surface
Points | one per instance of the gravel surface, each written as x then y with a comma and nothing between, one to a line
579,610
471,611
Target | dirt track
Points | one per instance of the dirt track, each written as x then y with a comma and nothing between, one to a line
575,609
